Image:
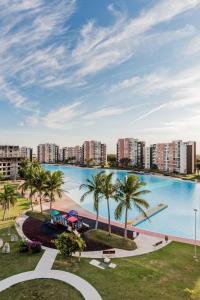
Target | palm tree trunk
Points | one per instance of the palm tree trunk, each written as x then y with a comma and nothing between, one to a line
31,198
125,228
97,219
4,213
41,202
109,226
51,200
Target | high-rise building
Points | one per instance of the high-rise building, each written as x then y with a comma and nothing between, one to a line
47,153
174,157
94,153
10,161
26,153
132,149
72,154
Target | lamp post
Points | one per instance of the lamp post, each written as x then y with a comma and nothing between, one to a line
195,233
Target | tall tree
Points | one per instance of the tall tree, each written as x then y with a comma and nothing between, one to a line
128,193
54,182
28,173
108,190
94,186
8,197
39,184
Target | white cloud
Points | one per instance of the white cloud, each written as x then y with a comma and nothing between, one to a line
106,112
57,119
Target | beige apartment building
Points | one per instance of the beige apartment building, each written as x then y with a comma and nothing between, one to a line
48,153
174,157
132,149
94,152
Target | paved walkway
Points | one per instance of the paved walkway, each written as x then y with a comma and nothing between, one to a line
86,289
144,245
47,260
43,270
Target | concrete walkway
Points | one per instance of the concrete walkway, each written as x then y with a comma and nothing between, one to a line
144,244
43,270
47,260
86,289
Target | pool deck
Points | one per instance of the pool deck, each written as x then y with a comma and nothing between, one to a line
66,203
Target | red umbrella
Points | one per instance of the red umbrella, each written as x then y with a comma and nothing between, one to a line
72,219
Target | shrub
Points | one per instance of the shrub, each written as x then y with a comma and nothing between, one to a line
68,243
23,246
35,246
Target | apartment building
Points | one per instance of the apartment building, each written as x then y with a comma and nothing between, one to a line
48,153
72,154
10,161
26,153
174,157
94,152
133,149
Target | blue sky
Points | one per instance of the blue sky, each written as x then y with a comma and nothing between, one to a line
72,70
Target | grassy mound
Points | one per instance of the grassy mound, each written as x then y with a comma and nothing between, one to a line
113,241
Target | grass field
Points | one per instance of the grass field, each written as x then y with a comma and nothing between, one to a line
15,262
113,241
162,275
41,289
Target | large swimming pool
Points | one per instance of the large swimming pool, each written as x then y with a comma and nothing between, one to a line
180,196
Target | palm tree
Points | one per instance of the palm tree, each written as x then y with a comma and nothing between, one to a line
128,193
39,184
8,197
53,185
94,186
28,173
108,190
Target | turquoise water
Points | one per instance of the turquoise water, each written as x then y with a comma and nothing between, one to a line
180,196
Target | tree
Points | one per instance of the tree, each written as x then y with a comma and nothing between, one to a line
28,172
154,167
39,184
125,162
53,184
112,160
94,186
69,243
108,190
8,197
128,193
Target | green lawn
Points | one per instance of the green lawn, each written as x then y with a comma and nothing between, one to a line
113,241
41,289
21,206
15,262
38,215
162,275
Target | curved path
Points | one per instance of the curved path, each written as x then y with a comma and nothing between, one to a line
86,289
144,244
43,270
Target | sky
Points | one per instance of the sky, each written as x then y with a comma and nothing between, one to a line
73,70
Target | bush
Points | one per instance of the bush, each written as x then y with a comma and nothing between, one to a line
35,246
68,243
23,246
